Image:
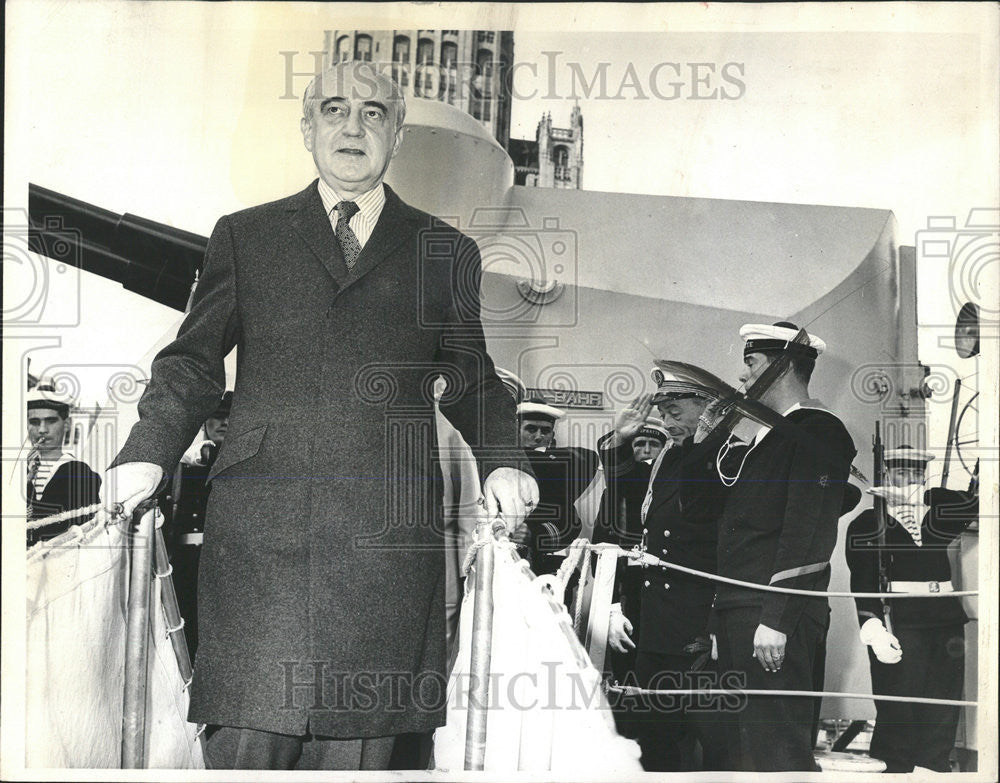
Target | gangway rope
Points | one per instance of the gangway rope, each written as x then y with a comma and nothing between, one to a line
34,524
652,560
576,554
632,690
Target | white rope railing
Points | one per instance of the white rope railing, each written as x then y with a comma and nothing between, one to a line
652,560
34,524
578,554
632,690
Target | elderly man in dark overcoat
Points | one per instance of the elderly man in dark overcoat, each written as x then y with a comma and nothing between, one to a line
323,573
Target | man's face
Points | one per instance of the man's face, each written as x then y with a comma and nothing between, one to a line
681,416
351,128
753,365
644,448
904,476
46,429
215,429
536,433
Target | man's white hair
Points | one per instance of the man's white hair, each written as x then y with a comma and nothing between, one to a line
396,95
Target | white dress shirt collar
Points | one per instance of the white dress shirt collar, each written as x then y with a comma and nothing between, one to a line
369,209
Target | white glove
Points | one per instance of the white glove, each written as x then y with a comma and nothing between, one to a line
129,484
619,630
884,644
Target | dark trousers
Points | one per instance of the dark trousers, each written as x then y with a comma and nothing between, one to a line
771,733
234,748
671,728
923,735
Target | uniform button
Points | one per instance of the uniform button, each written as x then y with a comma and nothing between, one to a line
646,583
666,533
644,531
664,551
666,586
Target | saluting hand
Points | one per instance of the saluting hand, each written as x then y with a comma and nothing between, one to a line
769,647
510,494
630,420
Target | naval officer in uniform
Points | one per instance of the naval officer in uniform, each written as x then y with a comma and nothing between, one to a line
627,469
679,513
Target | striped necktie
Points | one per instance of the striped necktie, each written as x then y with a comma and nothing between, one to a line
349,244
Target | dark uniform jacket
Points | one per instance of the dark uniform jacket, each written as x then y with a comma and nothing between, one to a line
681,526
620,522
949,514
321,591
563,474
72,485
779,526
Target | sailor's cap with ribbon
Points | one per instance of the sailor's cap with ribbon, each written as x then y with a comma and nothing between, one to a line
907,457
537,408
513,384
669,387
776,338
49,399
653,427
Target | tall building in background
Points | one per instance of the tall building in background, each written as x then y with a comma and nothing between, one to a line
464,68
554,159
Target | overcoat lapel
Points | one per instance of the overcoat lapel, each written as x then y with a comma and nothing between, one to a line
392,229
313,225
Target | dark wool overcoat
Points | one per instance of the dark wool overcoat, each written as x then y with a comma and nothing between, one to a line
321,594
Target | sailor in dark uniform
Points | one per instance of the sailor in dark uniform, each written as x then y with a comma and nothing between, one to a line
779,527
183,504
56,480
563,474
924,652
627,455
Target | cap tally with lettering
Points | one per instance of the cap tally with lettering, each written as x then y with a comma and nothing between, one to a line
653,428
776,338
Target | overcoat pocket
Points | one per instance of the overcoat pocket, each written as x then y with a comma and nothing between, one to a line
236,449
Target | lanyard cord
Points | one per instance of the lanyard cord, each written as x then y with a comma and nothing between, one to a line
730,481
